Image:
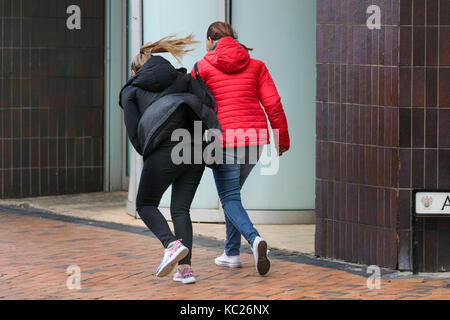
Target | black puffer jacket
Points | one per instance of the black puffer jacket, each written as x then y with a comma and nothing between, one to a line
160,99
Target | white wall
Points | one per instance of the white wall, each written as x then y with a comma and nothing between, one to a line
283,35
163,18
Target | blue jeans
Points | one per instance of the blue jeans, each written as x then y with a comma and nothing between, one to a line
230,178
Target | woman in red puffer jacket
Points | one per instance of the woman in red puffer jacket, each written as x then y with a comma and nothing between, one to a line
240,85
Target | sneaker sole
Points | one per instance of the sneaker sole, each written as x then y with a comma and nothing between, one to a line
229,265
185,281
263,264
172,263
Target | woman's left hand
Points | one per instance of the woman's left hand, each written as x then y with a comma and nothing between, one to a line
281,150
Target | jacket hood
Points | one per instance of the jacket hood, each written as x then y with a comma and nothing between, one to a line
155,75
229,56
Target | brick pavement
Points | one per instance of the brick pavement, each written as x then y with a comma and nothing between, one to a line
118,264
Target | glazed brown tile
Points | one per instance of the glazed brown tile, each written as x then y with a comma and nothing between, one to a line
342,162
25,153
405,90
405,127
382,47
374,126
6,123
387,208
35,185
322,85
322,11
444,87
366,117
445,13
443,242
395,86
388,86
419,12
444,46
405,46
16,186
430,248
431,165
331,83
444,169
61,153
381,206
335,162
321,49
381,126
373,165
404,172
16,149
431,127
78,152
418,169
368,87
418,128
395,127
383,167
43,123
404,202
16,122
432,12
331,122
431,87
321,120
418,89
444,128
336,202
382,88
432,46
419,46
375,85
80,180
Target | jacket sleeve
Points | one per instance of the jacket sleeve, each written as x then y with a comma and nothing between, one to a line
271,101
132,116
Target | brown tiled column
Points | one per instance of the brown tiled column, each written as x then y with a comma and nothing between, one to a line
381,128
51,98
357,133
424,107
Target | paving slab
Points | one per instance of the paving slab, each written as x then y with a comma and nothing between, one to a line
118,261
110,207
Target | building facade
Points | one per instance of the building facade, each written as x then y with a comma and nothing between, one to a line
382,130
380,98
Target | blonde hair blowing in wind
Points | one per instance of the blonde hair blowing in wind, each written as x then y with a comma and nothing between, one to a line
177,47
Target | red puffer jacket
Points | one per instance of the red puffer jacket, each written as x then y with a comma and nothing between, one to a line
240,85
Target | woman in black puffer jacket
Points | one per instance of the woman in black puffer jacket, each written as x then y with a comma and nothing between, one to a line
157,100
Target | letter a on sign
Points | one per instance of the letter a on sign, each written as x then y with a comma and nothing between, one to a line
74,20
374,21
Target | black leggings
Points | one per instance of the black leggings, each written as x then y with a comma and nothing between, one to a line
158,174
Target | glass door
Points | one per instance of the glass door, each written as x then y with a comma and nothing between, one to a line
282,34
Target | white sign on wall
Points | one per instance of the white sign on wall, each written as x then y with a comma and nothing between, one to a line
432,203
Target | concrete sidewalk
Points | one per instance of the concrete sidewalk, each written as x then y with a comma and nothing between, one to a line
110,207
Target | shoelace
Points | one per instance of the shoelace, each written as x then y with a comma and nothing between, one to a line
187,273
172,250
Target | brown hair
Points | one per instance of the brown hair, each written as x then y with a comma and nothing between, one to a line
177,47
219,30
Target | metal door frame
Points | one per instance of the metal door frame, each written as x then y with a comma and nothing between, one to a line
115,141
